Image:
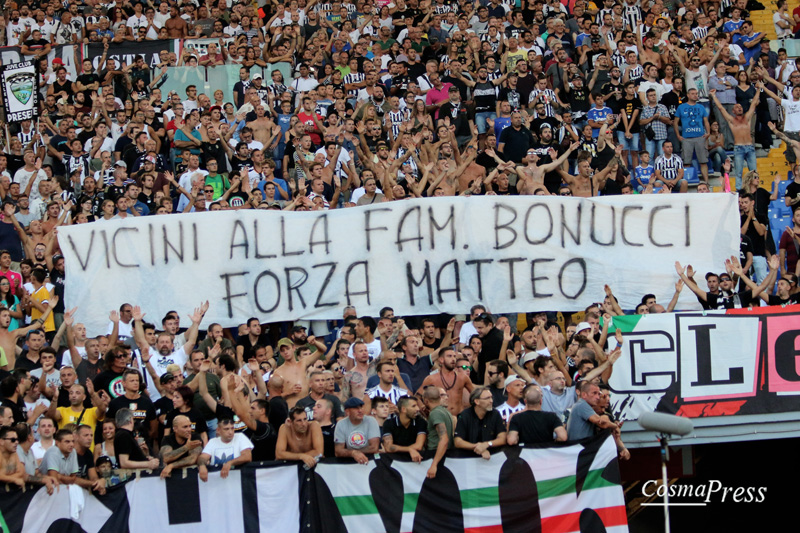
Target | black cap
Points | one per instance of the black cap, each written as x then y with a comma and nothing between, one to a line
166,378
298,328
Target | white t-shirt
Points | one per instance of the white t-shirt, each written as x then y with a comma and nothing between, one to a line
781,32
467,331
125,330
135,23
221,452
791,112
373,348
160,364
38,451
358,193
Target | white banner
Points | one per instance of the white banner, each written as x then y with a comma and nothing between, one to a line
514,254
20,91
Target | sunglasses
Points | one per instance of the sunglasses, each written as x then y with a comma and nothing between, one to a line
492,373
11,439
465,367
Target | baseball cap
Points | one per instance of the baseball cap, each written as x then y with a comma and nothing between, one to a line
352,403
298,328
582,326
284,342
511,379
121,163
166,377
257,76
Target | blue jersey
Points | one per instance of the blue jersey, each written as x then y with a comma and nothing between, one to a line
692,120
598,115
643,174
501,123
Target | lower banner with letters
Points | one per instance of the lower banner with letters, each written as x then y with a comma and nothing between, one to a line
438,255
555,489
739,361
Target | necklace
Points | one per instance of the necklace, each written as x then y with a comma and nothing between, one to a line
444,383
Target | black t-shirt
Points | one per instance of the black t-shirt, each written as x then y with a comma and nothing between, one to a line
792,190
85,463
227,413
194,416
278,412
401,435
535,426
329,449
759,242
774,299
171,441
244,342
308,402
25,363
624,105
163,406
109,381
264,439
473,429
17,410
735,300
125,443
142,407
63,399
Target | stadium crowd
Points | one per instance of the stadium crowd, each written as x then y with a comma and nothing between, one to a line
386,101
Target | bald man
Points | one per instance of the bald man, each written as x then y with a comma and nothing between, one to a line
534,425
181,448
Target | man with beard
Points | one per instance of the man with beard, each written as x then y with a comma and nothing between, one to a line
299,439
300,339
245,346
479,426
165,353
515,387
451,381
556,396
583,419
405,431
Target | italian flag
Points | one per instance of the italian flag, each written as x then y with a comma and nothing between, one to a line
552,490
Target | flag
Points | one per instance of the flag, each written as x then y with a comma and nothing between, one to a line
549,490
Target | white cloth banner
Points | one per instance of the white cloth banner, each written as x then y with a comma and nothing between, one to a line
20,91
513,254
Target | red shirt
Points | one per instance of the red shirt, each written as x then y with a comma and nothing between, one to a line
311,127
14,278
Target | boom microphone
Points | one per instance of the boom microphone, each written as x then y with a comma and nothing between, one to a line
669,424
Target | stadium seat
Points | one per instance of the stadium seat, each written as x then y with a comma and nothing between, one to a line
690,175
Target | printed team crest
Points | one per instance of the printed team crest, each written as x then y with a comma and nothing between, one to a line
358,440
19,85
22,87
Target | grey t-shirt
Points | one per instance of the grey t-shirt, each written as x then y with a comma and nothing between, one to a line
54,460
356,437
558,404
578,425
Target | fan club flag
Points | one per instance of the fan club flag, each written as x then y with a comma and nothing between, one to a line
715,363
548,490
20,91
249,500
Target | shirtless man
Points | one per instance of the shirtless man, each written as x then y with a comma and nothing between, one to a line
448,174
8,339
356,377
293,372
264,129
299,439
11,469
177,28
532,176
451,381
739,123
587,183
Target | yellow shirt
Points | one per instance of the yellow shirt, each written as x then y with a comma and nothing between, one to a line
70,416
41,296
